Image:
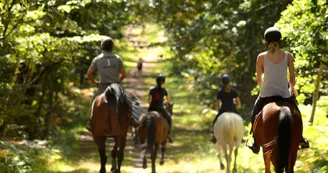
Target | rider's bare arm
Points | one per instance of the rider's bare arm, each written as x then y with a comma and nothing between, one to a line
167,100
149,98
259,68
237,102
90,76
122,74
291,70
292,80
218,104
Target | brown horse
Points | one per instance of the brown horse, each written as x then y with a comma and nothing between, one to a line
278,130
110,117
152,133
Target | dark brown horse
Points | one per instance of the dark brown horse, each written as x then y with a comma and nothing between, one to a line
278,130
110,117
152,133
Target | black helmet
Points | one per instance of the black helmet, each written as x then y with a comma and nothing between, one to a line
107,44
225,79
272,34
160,79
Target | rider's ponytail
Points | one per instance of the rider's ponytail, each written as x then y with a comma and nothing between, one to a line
227,88
225,81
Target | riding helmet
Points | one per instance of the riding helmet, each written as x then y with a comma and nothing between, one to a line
272,34
225,79
160,79
107,44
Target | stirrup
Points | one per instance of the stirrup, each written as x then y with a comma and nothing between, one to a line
304,144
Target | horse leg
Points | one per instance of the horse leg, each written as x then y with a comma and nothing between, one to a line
144,159
292,160
163,149
266,162
219,156
229,158
135,135
225,150
102,154
121,153
114,155
235,161
153,158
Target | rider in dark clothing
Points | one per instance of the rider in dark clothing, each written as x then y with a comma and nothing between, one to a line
225,100
156,101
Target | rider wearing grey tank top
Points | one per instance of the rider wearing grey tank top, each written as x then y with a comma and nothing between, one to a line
275,81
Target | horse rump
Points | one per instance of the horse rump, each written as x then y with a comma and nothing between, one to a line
229,127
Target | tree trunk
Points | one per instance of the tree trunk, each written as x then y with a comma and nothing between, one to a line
316,91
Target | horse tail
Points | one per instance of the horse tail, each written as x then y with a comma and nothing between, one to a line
230,128
284,137
151,131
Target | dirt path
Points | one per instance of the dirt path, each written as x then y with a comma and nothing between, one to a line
135,84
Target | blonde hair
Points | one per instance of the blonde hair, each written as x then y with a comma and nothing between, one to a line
227,88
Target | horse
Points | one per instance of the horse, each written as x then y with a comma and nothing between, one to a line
278,130
229,131
152,133
110,117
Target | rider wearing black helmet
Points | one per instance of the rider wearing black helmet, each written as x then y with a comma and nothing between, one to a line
156,100
227,100
275,83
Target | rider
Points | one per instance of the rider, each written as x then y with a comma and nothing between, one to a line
139,65
156,101
225,100
111,70
274,62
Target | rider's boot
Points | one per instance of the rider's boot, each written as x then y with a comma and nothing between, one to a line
304,143
168,136
254,146
212,139
88,126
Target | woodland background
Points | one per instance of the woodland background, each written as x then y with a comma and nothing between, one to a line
46,47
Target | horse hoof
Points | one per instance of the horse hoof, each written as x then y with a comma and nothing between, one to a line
115,171
144,166
102,170
222,166
161,162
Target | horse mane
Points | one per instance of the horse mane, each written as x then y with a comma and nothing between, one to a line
116,91
133,102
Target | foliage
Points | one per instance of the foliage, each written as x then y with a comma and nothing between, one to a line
304,28
25,157
210,38
47,48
